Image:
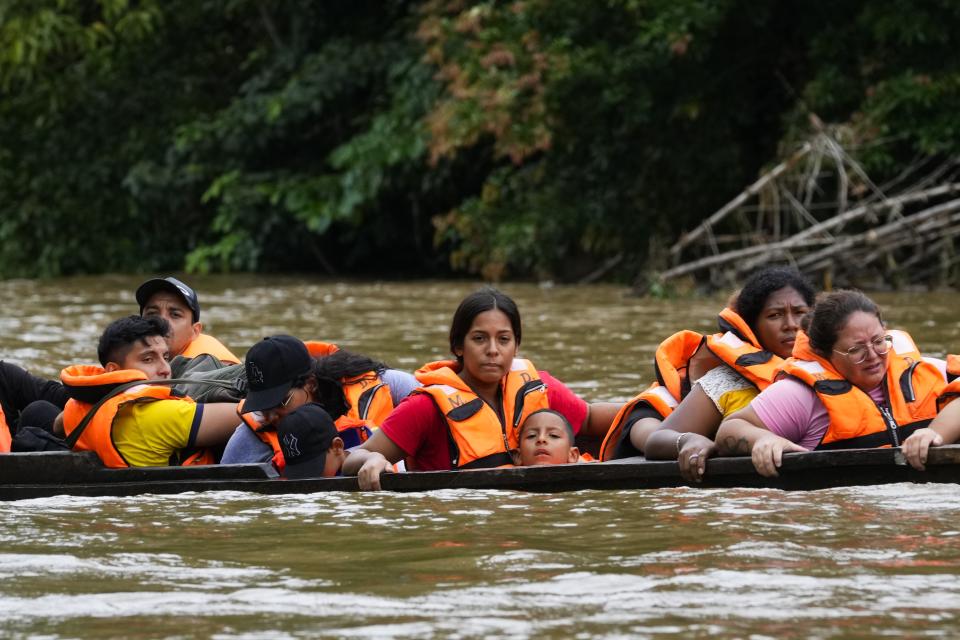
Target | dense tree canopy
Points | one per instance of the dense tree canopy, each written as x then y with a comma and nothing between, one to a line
534,138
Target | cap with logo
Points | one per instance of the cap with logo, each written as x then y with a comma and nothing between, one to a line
171,284
272,366
305,436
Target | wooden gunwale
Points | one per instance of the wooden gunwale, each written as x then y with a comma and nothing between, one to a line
37,475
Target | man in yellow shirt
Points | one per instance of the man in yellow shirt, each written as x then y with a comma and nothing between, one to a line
145,425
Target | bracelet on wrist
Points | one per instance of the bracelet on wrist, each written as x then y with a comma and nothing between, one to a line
680,441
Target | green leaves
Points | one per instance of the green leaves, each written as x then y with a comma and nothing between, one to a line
530,138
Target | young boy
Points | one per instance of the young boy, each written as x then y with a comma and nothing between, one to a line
546,437
311,445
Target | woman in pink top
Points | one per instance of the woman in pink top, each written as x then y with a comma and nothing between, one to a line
847,334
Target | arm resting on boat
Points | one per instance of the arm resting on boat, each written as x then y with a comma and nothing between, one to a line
641,430
696,415
374,457
217,424
744,433
599,417
698,418
945,429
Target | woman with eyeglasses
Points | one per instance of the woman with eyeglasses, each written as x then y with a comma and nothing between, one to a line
728,369
851,383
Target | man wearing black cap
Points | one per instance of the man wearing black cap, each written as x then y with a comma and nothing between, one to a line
177,303
278,382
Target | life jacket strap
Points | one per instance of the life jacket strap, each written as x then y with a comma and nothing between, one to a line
488,462
874,440
74,436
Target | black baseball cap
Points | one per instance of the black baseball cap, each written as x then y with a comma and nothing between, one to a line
273,365
305,436
150,287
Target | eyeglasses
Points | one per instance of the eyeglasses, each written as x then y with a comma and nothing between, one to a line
286,401
289,397
858,353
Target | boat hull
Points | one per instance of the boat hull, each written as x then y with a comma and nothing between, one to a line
38,475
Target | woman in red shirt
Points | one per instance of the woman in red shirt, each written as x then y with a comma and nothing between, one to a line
467,413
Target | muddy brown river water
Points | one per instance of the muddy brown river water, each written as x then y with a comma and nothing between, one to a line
858,562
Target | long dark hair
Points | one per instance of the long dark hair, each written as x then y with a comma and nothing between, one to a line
345,364
473,305
328,373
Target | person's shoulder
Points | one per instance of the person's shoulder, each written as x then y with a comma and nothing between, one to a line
788,389
206,343
400,382
164,411
414,416
721,379
415,403
550,379
788,384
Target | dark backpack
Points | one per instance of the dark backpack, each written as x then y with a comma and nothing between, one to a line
36,439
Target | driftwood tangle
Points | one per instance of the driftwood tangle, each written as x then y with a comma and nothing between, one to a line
819,211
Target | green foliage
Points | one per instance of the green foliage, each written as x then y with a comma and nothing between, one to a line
531,138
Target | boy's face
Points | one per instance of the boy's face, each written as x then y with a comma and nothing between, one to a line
544,440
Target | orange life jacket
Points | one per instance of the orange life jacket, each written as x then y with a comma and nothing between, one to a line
318,349
367,394
479,438
670,365
952,390
6,438
911,387
204,344
266,432
739,348
86,385
352,431
953,367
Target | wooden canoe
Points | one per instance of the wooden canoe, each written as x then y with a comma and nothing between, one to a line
38,475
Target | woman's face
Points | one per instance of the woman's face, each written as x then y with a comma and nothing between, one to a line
861,333
779,321
295,398
488,349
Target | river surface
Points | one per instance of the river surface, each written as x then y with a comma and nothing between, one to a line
859,562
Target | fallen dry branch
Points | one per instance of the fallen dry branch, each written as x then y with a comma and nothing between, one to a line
820,211
747,193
